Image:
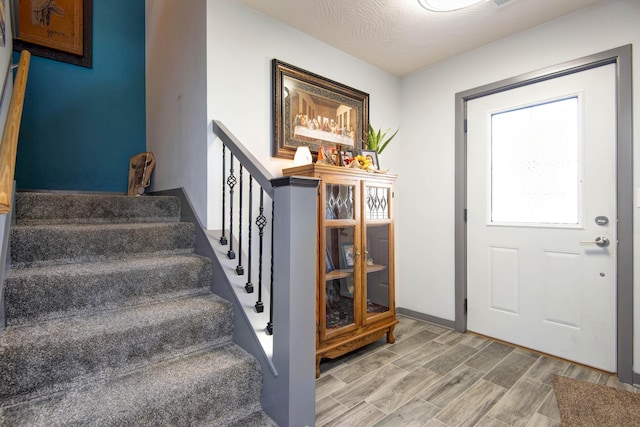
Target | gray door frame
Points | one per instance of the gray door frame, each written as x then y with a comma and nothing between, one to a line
622,57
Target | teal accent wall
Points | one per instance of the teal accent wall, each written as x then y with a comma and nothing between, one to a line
81,125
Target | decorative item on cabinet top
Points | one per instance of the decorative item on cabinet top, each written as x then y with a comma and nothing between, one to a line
320,167
362,159
376,139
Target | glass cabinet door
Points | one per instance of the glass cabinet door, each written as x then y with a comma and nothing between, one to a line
339,278
377,251
340,295
377,268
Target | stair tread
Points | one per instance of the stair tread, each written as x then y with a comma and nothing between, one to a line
78,328
176,392
132,302
37,245
109,226
105,267
40,293
34,207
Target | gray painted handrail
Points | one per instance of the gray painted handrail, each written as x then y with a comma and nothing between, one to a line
246,159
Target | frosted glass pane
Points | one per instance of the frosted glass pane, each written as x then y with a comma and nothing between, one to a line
534,164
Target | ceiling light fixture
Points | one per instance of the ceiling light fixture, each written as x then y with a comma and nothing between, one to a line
446,5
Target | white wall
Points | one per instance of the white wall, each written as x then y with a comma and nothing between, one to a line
426,267
176,97
240,46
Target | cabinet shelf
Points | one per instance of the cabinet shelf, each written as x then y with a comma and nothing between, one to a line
375,267
338,274
346,272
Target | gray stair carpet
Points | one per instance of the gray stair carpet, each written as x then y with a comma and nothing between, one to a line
111,321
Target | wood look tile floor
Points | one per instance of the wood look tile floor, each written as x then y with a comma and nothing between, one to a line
434,377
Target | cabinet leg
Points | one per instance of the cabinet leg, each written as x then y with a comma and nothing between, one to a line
318,359
390,338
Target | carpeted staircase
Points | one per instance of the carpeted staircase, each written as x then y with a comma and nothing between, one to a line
111,321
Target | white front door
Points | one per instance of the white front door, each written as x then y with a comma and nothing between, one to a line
541,216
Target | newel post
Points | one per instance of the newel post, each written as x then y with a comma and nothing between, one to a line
294,296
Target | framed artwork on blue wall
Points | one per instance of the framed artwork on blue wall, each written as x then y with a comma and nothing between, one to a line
54,29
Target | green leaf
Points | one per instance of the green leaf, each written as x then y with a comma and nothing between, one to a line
376,139
384,145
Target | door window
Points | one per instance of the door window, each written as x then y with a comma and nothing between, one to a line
535,170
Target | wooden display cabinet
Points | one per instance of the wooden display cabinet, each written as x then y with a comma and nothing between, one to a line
355,271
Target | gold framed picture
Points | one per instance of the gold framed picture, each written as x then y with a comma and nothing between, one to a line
313,111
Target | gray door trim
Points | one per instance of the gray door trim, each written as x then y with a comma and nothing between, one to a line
622,57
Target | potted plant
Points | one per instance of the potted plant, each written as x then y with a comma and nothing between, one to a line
376,139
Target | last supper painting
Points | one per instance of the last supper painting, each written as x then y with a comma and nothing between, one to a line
313,111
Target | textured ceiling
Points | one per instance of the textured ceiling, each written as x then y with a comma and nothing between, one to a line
400,36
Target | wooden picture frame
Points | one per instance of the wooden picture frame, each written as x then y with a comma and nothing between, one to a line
313,111
372,155
346,287
61,29
329,267
346,155
348,257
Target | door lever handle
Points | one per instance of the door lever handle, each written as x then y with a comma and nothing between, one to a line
601,241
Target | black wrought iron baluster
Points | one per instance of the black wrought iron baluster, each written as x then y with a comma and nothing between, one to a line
231,182
249,286
270,323
223,238
240,268
261,222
